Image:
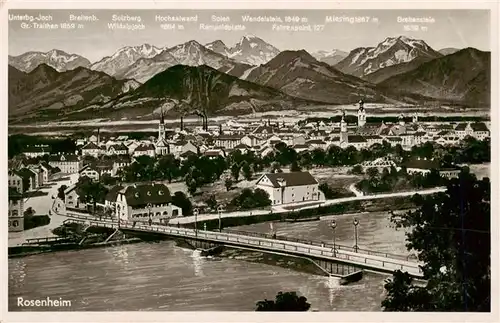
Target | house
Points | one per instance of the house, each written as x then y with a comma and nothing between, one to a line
294,187
132,146
16,211
47,171
480,131
243,148
301,147
68,164
357,141
407,140
145,150
119,163
189,147
373,139
118,149
110,199
263,131
29,179
214,153
71,198
228,141
425,165
298,140
37,151
15,181
316,144
141,202
250,140
38,174
90,172
393,141
91,149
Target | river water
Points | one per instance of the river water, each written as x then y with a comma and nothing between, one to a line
163,277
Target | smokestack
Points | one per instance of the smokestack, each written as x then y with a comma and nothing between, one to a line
182,123
98,136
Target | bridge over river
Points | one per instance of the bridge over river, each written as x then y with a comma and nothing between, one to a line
338,261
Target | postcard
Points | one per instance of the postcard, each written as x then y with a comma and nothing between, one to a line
204,161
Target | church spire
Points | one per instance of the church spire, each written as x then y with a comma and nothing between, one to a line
162,117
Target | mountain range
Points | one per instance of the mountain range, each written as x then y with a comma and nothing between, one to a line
250,76
184,89
190,53
45,91
55,58
392,51
299,74
463,76
331,57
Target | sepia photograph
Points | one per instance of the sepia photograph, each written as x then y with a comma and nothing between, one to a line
249,160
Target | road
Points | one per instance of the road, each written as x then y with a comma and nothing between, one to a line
41,205
204,217
353,189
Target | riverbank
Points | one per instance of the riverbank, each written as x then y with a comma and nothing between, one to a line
24,251
307,215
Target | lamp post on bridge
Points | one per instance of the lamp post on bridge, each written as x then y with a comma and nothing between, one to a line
333,224
219,210
195,212
149,206
355,222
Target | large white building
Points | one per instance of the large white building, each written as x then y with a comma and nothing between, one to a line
141,202
294,187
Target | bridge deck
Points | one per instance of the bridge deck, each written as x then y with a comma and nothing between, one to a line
367,261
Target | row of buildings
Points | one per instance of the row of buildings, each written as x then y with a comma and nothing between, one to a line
262,137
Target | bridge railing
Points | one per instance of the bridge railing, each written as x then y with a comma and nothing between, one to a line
284,245
319,243
46,239
372,261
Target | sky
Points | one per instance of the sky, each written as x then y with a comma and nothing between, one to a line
94,40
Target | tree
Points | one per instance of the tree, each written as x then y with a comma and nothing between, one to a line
357,169
60,192
168,167
249,199
228,183
90,192
247,171
284,302
211,202
180,199
235,171
191,184
29,212
450,232
295,167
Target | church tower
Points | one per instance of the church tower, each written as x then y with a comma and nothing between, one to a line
361,114
162,147
343,129
161,127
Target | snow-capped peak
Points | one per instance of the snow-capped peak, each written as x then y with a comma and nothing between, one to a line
252,50
55,58
391,51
